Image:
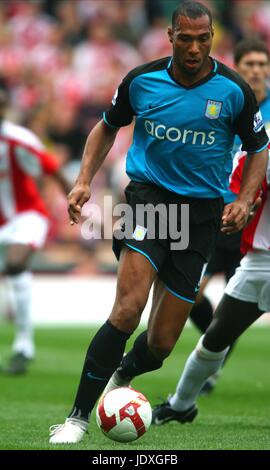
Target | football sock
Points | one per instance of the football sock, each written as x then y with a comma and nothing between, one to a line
139,360
201,314
200,365
102,358
19,288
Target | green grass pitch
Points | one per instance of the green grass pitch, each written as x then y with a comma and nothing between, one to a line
235,416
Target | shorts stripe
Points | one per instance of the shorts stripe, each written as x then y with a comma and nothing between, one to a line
142,253
108,123
180,296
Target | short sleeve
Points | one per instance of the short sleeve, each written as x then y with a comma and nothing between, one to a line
49,163
249,124
120,112
35,162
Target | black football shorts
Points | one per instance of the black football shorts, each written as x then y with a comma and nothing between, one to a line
180,270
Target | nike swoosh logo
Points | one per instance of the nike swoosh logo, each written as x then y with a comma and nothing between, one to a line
155,105
161,421
92,376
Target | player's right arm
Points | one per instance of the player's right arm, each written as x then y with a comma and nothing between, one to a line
98,145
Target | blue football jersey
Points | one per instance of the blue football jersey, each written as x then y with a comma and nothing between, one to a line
183,136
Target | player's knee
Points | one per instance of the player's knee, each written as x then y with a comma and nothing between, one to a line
127,312
160,347
14,268
125,318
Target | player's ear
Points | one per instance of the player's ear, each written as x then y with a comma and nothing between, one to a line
212,31
170,33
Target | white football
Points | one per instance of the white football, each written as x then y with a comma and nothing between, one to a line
124,414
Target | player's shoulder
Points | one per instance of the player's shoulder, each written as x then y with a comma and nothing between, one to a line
232,77
149,67
21,134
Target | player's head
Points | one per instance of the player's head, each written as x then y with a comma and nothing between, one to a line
3,103
191,35
252,59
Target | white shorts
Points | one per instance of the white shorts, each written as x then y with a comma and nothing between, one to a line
251,281
26,228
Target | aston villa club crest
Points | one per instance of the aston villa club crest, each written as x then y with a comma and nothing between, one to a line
139,233
213,109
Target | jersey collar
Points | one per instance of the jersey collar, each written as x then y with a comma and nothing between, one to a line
200,82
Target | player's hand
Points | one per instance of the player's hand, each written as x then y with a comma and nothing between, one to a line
235,216
77,197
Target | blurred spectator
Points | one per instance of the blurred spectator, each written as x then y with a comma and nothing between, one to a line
45,56
99,69
154,11
66,12
155,42
33,89
30,25
223,45
64,129
12,60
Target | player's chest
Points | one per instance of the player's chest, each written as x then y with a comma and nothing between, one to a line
190,108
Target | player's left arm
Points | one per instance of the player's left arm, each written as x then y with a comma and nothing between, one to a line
249,126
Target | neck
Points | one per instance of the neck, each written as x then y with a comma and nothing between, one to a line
188,79
260,95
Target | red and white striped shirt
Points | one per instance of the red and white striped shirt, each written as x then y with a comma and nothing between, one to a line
256,236
22,160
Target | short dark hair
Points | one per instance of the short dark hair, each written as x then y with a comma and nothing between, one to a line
191,10
249,45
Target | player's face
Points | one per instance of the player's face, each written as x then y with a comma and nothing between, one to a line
192,42
254,68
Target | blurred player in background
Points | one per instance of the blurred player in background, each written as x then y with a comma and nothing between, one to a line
24,224
246,298
251,57
169,163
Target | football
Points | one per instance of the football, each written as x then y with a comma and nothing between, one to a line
124,414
